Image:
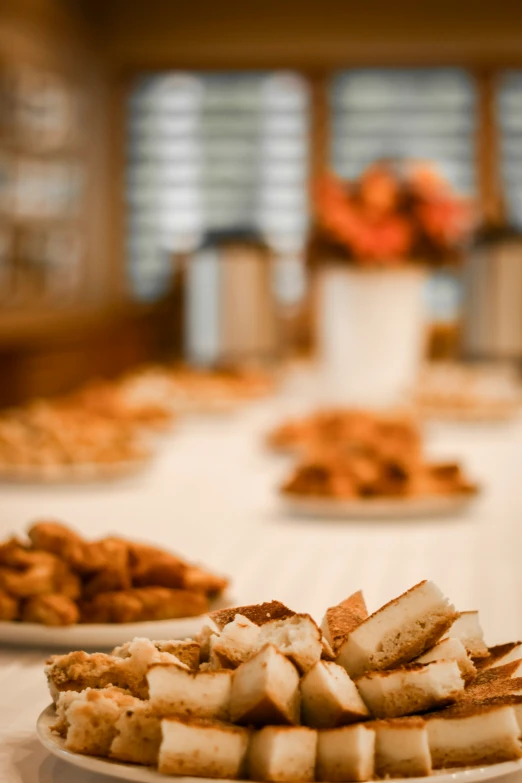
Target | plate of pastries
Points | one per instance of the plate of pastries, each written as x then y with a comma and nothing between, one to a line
351,463
264,693
57,588
468,392
52,441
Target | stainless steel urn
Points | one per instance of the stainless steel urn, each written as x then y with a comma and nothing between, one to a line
230,308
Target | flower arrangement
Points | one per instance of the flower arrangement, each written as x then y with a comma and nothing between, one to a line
394,214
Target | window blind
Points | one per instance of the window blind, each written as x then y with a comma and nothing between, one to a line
509,114
213,151
405,113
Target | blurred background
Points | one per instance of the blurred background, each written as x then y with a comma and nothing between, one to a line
158,164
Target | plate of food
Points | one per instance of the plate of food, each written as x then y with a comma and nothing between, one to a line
463,392
61,441
264,693
352,464
376,508
59,590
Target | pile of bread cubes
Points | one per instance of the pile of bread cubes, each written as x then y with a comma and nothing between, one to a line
265,693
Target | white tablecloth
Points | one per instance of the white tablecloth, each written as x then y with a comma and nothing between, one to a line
210,495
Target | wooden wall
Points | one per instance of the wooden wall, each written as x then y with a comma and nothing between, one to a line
48,351
330,33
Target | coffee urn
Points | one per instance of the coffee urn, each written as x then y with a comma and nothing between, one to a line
230,308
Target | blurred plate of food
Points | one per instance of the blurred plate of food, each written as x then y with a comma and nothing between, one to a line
63,440
459,392
376,508
351,463
58,589
221,390
103,636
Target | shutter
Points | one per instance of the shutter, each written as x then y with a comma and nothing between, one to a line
209,151
509,113
405,113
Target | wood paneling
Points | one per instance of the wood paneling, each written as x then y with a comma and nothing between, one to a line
305,33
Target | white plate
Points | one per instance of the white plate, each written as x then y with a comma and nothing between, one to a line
70,474
377,508
97,636
55,745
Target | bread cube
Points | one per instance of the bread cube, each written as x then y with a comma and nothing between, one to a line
451,649
89,719
500,655
138,735
402,748
414,688
236,643
467,629
346,753
186,652
202,749
283,754
339,621
330,698
265,689
174,690
400,631
256,613
472,735
297,637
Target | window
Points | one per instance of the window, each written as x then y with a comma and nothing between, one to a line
215,151
509,111
405,113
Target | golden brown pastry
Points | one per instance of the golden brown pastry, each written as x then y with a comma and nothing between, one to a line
153,566
50,609
8,606
145,603
40,574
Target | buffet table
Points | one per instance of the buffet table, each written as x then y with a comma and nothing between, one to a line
210,494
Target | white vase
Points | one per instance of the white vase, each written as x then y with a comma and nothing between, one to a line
371,333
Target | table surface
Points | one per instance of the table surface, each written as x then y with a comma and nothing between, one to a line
210,494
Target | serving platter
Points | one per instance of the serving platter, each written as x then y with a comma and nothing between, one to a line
94,636
131,772
72,474
377,508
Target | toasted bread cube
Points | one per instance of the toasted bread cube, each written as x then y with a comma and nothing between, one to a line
138,735
209,632
414,688
297,637
468,630
451,650
473,735
330,698
236,643
174,690
510,701
256,613
500,655
265,689
202,748
186,652
90,719
346,753
401,748
489,685
400,631
283,753
339,621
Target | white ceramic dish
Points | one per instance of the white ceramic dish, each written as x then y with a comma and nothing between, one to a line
376,508
55,745
70,474
102,636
